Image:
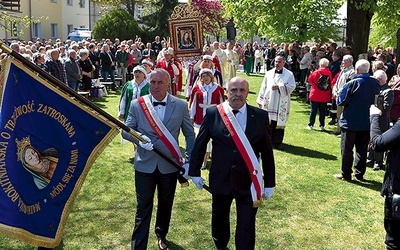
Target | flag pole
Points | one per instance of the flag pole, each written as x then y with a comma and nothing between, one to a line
184,182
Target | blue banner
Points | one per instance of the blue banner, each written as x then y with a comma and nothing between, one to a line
48,141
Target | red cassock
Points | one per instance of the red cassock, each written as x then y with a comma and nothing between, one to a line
216,63
197,97
180,76
163,64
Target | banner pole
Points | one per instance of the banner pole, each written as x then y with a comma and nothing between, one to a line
85,101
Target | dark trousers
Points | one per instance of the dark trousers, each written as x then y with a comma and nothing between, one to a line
392,227
317,107
360,140
375,157
303,76
146,185
111,74
334,107
245,233
276,133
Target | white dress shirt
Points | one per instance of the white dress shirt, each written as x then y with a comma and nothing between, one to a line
241,117
160,109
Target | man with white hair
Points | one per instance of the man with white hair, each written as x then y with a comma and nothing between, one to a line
356,97
15,47
385,100
345,75
54,66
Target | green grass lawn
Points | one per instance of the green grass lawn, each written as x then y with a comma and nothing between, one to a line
309,209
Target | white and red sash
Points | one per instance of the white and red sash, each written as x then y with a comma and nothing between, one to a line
245,149
159,128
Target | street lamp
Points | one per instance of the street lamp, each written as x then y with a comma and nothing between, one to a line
344,30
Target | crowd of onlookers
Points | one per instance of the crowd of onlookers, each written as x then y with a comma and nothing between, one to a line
77,63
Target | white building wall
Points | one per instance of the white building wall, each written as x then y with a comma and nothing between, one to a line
75,14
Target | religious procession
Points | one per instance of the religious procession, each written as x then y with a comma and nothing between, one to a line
166,142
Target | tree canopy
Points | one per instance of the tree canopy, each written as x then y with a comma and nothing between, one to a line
213,21
285,20
385,24
117,23
157,20
10,19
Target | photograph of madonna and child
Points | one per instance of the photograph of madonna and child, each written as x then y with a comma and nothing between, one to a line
40,164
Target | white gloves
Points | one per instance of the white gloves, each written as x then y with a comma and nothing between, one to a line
198,181
268,193
374,110
146,145
186,174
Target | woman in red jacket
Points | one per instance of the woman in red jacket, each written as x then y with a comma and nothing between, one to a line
320,93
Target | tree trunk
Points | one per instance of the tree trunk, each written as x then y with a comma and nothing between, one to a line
130,7
358,27
303,32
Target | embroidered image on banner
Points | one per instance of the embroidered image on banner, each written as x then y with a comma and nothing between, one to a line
48,141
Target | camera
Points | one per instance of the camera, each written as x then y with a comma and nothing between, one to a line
379,100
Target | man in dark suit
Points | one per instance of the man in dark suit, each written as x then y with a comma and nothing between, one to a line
107,63
152,171
232,177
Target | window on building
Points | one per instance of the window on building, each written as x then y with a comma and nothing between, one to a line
54,30
139,11
53,1
69,2
70,27
10,5
37,30
82,3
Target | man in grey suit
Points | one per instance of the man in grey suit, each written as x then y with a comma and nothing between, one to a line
151,170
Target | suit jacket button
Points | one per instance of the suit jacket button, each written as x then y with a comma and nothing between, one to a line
234,151
233,166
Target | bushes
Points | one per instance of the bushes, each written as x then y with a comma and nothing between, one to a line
117,23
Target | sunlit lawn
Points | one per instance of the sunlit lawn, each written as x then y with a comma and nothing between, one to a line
309,209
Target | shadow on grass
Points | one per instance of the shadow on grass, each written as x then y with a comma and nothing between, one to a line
371,184
298,150
172,245
257,75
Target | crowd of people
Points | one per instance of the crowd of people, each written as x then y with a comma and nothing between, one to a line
149,104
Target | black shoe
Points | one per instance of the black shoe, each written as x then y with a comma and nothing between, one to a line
358,177
332,122
162,243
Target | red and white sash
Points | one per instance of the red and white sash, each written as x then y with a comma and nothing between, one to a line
245,149
159,128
